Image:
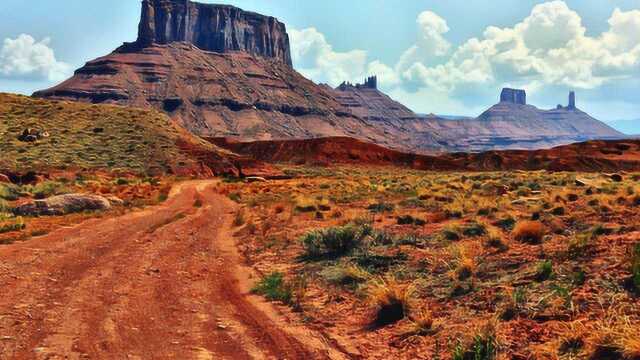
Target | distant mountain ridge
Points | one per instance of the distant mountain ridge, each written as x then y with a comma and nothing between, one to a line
509,124
216,70
592,156
220,71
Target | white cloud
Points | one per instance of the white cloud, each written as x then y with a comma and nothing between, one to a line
314,57
25,58
431,29
431,42
548,49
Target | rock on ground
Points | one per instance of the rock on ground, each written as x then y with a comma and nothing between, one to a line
63,204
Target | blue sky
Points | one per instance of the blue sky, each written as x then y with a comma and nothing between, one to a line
435,56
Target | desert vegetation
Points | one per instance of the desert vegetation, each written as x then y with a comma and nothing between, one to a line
84,136
452,265
127,191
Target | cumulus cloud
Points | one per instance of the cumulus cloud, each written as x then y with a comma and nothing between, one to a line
550,48
430,44
314,57
431,29
27,59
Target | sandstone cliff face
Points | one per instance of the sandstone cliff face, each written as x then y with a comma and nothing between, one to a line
220,71
367,102
514,96
217,71
214,94
398,122
561,121
217,28
512,124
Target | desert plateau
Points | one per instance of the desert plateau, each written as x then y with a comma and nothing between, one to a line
300,180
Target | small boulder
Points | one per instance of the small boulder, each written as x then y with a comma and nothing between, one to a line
615,177
252,179
115,201
30,138
32,135
63,204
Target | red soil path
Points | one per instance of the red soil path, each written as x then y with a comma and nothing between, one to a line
161,283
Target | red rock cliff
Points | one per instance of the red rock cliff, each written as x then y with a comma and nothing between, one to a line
218,28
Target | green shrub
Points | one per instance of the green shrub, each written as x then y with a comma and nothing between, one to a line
9,192
236,197
579,277
15,225
274,288
544,270
484,346
409,220
451,233
635,266
335,241
163,196
506,224
580,245
4,207
238,219
381,207
474,229
47,188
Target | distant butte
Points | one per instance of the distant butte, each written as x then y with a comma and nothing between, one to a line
220,71
217,28
216,70
514,96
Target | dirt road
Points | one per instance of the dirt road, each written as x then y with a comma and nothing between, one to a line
162,283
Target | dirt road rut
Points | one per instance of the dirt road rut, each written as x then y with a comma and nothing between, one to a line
162,283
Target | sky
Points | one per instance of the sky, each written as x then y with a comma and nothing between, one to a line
444,57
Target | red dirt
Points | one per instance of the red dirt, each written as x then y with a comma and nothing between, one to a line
165,282
599,155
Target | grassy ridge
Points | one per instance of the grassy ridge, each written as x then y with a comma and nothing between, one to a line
90,136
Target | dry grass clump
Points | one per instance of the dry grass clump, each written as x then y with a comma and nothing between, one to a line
345,275
568,342
531,232
635,266
423,323
516,300
239,219
482,346
614,336
15,224
305,204
572,338
464,263
390,300
494,239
